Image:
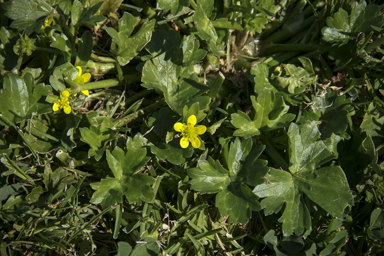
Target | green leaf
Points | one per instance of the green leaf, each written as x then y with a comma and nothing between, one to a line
238,152
146,246
270,113
57,78
162,41
10,190
235,198
25,12
124,249
77,9
97,137
129,46
343,27
87,15
332,111
306,151
296,78
20,97
172,152
237,201
180,85
203,25
125,166
85,49
278,189
261,78
209,177
327,187
176,6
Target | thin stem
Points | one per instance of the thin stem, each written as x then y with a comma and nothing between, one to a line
145,111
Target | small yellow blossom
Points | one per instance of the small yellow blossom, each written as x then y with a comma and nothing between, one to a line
190,132
82,79
63,102
47,23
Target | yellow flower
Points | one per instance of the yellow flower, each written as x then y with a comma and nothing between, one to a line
63,102
190,132
47,23
82,79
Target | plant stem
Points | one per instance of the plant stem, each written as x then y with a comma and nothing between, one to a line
141,112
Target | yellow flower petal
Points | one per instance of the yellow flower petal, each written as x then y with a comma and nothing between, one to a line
191,121
67,109
56,106
201,129
86,92
48,21
179,127
86,77
65,93
195,141
80,71
184,142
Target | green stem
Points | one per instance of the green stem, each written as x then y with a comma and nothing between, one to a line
272,152
102,59
76,88
145,111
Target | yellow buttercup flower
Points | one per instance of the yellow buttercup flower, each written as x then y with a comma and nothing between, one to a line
82,79
63,102
190,132
47,23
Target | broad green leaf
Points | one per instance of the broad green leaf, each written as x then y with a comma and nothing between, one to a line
332,111
85,49
57,78
129,46
87,15
235,198
327,187
306,151
146,246
97,137
20,97
169,151
209,177
295,78
172,152
261,79
203,25
77,9
176,6
124,249
237,201
343,27
270,113
125,166
109,6
10,190
61,42
26,12
238,152
279,188
162,41
372,125
180,85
